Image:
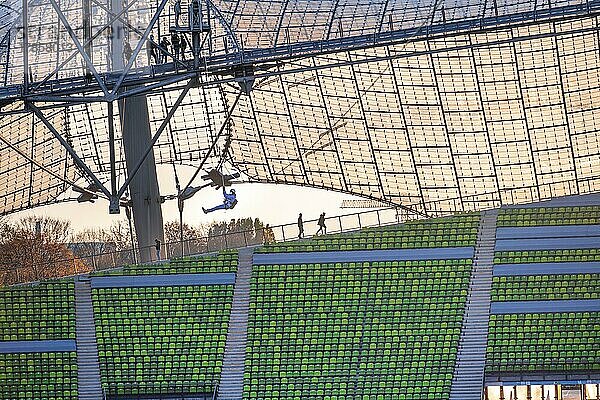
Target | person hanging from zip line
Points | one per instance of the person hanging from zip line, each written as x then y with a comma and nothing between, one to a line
229,201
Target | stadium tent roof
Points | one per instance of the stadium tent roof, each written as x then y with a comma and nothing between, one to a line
440,106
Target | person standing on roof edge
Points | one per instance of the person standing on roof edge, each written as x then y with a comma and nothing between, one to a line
177,9
164,49
157,247
300,226
176,44
183,46
321,223
152,50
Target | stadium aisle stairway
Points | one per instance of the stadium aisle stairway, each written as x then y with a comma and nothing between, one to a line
469,372
88,368
234,359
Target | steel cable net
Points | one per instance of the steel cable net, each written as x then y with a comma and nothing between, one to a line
472,105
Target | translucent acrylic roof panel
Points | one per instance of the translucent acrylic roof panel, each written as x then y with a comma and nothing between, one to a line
464,122
436,105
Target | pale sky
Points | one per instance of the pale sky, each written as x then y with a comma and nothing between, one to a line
273,204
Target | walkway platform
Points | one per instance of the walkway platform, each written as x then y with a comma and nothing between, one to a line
549,306
37,346
324,257
539,232
100,282
547,268
548,243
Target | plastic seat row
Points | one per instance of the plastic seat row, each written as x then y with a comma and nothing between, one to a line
38,376
549,216
451,232
147,348
38,312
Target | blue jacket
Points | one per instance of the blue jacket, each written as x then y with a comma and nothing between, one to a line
229,198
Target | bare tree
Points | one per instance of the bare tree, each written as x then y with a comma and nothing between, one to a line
194,238
105,248
119,234
33,248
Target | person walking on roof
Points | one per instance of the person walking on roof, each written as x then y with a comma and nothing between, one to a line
300,227
183,46
321,223
176,42
157,247
164,49
152,50
229,201
177,9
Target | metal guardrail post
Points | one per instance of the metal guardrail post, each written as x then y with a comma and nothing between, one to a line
94,264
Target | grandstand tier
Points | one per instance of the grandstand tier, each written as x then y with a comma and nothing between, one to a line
225,261
39,312
557,342
373,314
38,376
167,340
549,216
454,231
354,330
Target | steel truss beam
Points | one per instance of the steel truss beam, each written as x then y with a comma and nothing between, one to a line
113,194
80,48
218,66
69,149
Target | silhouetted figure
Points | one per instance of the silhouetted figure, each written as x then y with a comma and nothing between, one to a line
196,22
258,231
157,247
152,50
127,52
229,201
177,10
183,46
176,43
321,223
300,226
164,48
